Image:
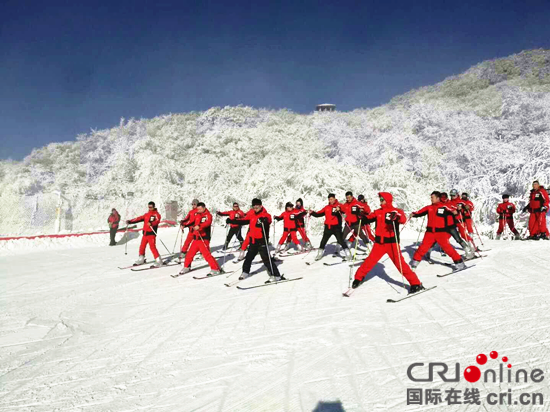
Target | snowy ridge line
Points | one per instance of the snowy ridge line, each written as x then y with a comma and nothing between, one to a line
163,223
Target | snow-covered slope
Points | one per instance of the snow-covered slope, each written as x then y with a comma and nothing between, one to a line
485,131
78,334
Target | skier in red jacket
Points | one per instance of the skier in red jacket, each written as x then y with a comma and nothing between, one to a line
290,217
259,221
437,231
386,241
333,226
113,220
188,221
234,230
151,221
505,211
353,209
457,203
468,208
537,207
200,228
300,223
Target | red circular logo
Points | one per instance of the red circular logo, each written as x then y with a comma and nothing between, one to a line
472,374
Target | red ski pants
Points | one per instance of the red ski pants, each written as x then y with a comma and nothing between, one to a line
442,238
502,225
468,223
150,240
302,232
537,223
462,231
290,234
187,242
378,251
202,246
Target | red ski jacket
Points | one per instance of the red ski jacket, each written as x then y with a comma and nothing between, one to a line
384,232
506,210
467,213
438,217
352,210
233,214
300,218
538,199
189,219
255,231
150,221
333,217
290,219
113,220
366,208
204,222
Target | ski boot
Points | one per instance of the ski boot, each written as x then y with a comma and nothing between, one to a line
416,289
356,283
347,255
469,251
517,236
140,261
498,236
459,266
273,279
309,246
184,270
241,255
158,262
215,272
319,254
414,264
244,275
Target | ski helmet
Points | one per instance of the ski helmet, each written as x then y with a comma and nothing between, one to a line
454,192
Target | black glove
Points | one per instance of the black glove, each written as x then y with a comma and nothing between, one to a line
228,220
219,213
263,221
525,209
543,209
393,216
127,222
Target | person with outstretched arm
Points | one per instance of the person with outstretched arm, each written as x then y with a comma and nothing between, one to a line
386,241
333,226
259,222
151,221
537,207
234,230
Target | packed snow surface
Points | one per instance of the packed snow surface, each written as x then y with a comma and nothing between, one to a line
79,334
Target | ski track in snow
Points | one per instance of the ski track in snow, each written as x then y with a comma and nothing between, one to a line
79,334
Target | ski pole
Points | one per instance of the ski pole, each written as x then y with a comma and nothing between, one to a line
475,227
175,242
126,239
354,256
420,231
155,232
224,249
399,252
267,247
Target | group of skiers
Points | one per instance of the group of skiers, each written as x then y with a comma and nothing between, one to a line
446,218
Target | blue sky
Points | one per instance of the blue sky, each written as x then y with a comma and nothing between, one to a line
66,67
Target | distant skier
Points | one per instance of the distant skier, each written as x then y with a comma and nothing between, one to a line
113,220
457,203
505,211
234,230
437,231
259,221
200,228
290,218
467,213
537,207
387,219
151,221
300,223
333,226
353,209
187,221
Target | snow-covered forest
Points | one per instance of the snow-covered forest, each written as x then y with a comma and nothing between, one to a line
486,131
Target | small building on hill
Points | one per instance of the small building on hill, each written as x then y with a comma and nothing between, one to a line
325,107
